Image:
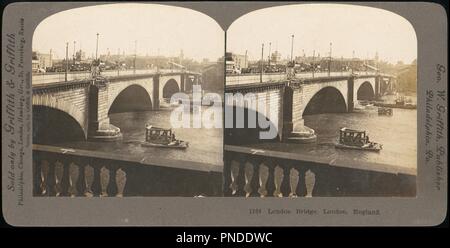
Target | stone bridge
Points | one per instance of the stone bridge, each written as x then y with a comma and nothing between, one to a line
80,109
287,100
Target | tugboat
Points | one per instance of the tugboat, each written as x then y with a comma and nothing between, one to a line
354,139
162,137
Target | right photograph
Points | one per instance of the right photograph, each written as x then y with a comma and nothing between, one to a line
320,100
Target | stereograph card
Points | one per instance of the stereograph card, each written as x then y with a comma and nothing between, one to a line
224,114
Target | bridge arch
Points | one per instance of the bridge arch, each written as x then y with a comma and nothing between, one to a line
327,100
52,124
365,91
65,106
133,97
170,87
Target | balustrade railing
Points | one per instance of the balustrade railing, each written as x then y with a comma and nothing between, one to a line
67,172
53,77
249,78
258,175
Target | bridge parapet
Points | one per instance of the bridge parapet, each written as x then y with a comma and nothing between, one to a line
66,172
243,79
252,172
46,78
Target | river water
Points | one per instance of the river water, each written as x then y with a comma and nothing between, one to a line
397,134
205,144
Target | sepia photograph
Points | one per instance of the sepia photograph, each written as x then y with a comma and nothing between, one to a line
221,114
124,97
320,100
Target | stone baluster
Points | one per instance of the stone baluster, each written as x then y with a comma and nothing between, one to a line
74,173
270,184
301,185
310,182
51,178
121,180
65,180
285,186
241,177
112,188
81,184
227,180
105,179
89,175
96,184
37,177
58,175
44,173
254,183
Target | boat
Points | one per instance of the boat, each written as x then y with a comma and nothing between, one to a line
355,139
162,137
385,111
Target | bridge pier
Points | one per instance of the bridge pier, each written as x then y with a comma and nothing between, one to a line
294,129
377,87
155,96
99,128
350,94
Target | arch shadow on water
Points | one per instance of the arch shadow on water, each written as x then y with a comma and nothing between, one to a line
249,134
52,126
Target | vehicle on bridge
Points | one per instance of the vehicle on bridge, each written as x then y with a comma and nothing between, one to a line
354,139
162,137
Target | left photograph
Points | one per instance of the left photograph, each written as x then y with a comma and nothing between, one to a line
127,101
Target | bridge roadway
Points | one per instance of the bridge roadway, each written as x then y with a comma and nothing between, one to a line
46,78
240,79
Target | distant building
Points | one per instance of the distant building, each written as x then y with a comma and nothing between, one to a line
212,77
80,55
275,58
34,65
41,61
239,61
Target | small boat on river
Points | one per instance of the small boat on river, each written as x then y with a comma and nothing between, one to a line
162,137
355,139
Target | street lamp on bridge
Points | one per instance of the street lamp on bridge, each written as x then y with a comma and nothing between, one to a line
96,48
329,60
262,63
313,65
292,47
134,60
67,61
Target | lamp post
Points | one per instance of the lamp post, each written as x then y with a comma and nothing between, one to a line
73,56
96,48
292,47
313,65
262,63
270,47
329,60
134,60
67,61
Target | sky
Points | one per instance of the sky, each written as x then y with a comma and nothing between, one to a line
349,28
166,29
